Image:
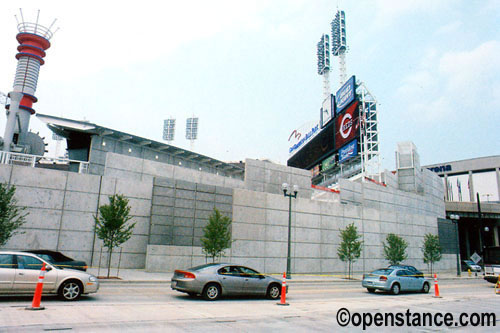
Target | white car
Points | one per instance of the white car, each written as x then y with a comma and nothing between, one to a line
19,272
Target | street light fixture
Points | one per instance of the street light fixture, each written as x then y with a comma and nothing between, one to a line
286,189
454,218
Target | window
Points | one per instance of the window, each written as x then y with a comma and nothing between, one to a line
485,183
458,188
27,262
248,272
6,261
404,272
224,270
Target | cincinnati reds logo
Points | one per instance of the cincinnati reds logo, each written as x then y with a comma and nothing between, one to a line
346,125
295,134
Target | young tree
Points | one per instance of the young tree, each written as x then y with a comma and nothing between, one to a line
431,249
350,249
395,249
217,235
111,223
11,215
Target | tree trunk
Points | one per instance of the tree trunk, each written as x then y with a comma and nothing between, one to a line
109,260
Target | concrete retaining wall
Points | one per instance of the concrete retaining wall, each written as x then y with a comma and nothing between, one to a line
181,210
62,206
260,230
170,206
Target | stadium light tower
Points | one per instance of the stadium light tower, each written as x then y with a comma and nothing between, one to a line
169,130
339,43
324,63
192,130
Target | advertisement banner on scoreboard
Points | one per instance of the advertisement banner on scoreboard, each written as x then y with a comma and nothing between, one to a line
347,125
328,163
348,151
346,94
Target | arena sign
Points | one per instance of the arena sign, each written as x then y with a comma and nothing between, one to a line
442,168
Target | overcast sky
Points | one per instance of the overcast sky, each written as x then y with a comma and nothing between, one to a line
247,69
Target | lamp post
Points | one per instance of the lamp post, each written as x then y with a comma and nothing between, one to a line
286,191
454,218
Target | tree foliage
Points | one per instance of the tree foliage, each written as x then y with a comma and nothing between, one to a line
395,249
11,215
111,223
350,248
217,235
431,249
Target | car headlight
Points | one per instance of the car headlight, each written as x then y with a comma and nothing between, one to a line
92,279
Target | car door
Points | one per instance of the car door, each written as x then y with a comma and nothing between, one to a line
7,272
27,273
254,284
413,279
231,280
404,278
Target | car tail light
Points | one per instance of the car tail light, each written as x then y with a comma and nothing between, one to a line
186,275
383,278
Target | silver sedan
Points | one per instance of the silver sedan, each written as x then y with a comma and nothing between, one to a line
19,272
395,280
214,280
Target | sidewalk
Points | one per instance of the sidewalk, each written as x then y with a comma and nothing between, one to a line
140,275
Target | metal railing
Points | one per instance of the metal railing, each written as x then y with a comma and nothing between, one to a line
33,160
35,28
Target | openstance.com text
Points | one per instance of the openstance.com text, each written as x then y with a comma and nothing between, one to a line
414,319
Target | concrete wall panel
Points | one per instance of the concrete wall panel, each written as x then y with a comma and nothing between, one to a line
5,173
38,178
39,197
83,183
83,202
78,221
39,218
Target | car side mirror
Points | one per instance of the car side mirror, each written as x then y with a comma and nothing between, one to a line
48,268
262,277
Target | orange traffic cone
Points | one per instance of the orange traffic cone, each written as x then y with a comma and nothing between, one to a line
35,305
497,286
283,291
436,287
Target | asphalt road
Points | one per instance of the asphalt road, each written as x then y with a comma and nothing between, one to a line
129,307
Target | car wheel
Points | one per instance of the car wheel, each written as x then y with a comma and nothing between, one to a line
70,290
370,290
395,289
426,288
274,291
211,292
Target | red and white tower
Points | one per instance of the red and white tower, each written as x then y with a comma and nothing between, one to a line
33,40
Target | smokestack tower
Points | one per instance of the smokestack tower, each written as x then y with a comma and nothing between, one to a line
33,40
